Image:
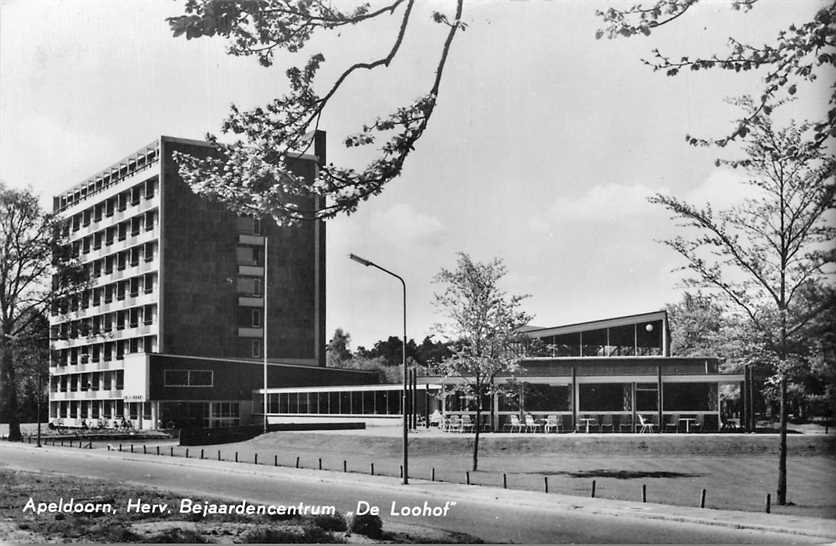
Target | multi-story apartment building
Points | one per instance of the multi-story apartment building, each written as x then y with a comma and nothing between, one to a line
170,325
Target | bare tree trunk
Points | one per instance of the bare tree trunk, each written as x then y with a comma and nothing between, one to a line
9,384
782,450
476,438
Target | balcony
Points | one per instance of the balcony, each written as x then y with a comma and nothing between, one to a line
251,270
250,332
251,301
245,239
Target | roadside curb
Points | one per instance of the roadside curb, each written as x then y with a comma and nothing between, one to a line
770,523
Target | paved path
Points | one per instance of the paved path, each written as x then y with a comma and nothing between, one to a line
493,514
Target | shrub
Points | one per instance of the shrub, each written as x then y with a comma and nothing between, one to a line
368,525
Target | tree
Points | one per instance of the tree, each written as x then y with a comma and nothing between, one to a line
252,175
484,325
770,257
30,249
337,350
797,55
696,325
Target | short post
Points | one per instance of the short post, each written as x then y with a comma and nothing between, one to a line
201,454
702,498
297,461
132,448
400,474
593,489
219,454
345,465
433,475
108,447
467,475
236,456
504,480
62,442
372,468
275,460
255,458
546,484
320,463
158,450
143,450
768,503
187,453
171,451
644,492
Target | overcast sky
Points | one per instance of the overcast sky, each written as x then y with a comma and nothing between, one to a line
542,151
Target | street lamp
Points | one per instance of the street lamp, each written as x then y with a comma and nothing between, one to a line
368,263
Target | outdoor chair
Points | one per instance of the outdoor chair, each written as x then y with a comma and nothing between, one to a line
552,423
646,425
672,424
531,425
626,424
515,423
454,424
606,423
466,424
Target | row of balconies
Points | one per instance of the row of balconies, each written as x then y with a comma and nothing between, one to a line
108,187
130,296
118,225
117,335
89,394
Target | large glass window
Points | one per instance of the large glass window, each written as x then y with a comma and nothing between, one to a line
345,403
622,341
323,402
594,342
690,397
357,402
647,397
368,402
649,338
605,397
381,402
334,401
547,397
567,345
509,401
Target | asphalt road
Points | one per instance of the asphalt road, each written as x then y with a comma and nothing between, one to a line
493,515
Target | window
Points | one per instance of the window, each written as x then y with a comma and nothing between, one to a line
149,188
97,241
255,318
149,283
255,348
149,220
148,316
149,252
188,378
248,255
249,286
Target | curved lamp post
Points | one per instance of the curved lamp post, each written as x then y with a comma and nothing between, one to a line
368,263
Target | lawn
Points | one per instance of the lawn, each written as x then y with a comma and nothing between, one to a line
19,526
735,470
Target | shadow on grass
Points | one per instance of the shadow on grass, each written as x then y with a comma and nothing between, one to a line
618,474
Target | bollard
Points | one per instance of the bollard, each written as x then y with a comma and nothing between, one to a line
372,468
702,498
255,458
593,489
62,442
108,447
546,484
467,474
143,450
219,454
158,451
320,463
236,456
120,448
132,448
768,503
171,451
275,460
187,453
504,480
433,475
297,461
201,454
644,493
400,474
345,465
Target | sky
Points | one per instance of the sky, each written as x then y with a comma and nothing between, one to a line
542,151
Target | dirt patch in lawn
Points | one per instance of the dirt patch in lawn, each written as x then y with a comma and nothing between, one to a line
619,474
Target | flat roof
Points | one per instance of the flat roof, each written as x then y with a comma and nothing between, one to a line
346,388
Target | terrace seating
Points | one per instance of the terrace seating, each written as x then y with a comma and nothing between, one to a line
465,424
531,425
514,423
626,424
646,425
586,423
552,423
606,423
451,424
672,423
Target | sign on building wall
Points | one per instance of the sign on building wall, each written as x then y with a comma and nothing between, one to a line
137,377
